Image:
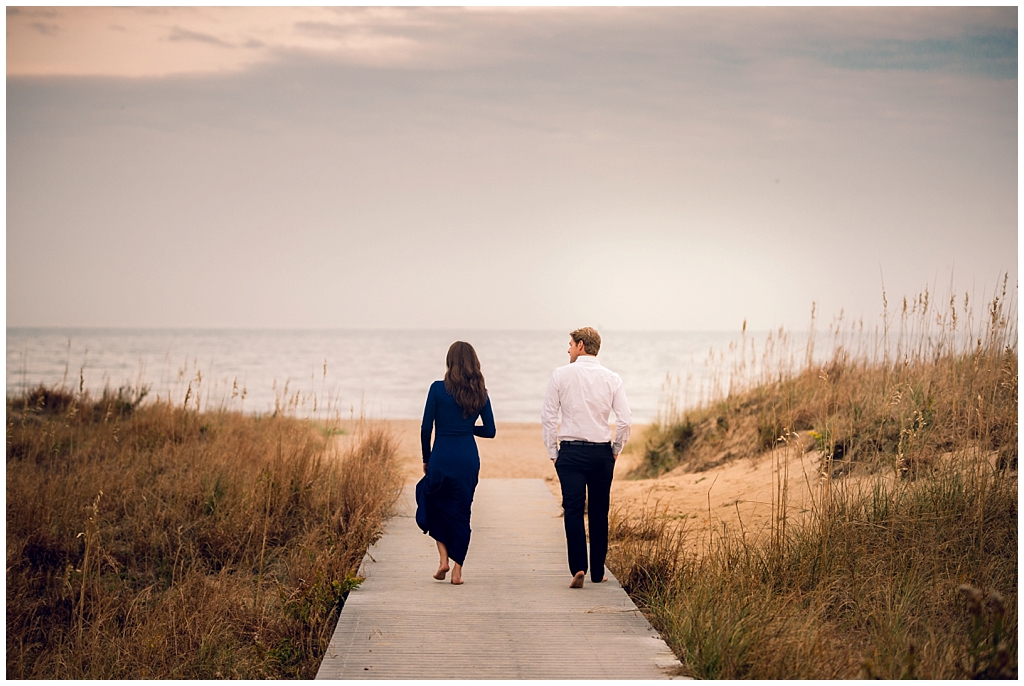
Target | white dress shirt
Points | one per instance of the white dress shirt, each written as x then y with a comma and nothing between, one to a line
586,393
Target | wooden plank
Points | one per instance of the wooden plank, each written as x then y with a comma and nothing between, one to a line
515,616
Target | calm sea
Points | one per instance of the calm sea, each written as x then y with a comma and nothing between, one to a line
383,374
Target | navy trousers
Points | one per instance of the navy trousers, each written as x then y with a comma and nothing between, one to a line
585,472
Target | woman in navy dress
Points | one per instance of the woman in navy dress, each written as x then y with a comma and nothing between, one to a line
444,496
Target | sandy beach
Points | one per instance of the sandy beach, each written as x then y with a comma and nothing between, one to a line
735,494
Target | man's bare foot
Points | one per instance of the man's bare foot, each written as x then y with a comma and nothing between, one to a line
457,574
441,572
577,580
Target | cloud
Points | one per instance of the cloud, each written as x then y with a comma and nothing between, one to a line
321,28
990,53
45,29
979,41
352,159
180,34
31,12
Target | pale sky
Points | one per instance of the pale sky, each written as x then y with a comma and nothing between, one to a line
667,168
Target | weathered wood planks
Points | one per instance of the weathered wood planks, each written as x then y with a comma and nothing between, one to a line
514,617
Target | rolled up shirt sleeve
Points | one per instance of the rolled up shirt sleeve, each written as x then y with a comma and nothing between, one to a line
623,419
549,418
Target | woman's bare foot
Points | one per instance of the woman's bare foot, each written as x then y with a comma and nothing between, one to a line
577,580
457,574
442,565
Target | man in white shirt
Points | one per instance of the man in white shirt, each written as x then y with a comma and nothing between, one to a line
582,450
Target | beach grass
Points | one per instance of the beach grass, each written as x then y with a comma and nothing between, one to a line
935,380
151,540
905,562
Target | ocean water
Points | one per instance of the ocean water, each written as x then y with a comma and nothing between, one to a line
380,374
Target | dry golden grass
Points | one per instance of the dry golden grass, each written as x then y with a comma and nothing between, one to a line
154,541
904,565
943,380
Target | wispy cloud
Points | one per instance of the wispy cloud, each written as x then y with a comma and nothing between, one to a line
45,29
180,34
991,53
460,38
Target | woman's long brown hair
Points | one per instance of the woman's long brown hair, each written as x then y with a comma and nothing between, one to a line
464,380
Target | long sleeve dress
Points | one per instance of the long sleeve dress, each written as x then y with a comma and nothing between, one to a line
444,496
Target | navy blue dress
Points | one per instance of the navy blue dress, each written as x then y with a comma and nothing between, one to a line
444,496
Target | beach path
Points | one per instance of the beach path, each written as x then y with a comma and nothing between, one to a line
515,616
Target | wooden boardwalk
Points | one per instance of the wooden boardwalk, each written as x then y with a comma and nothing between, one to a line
514,617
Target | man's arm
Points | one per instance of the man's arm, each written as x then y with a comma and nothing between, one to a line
623,419
549,419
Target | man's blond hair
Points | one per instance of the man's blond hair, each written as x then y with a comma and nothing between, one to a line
590,337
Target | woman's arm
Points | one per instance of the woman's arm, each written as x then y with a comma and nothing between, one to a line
487,430
428,424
